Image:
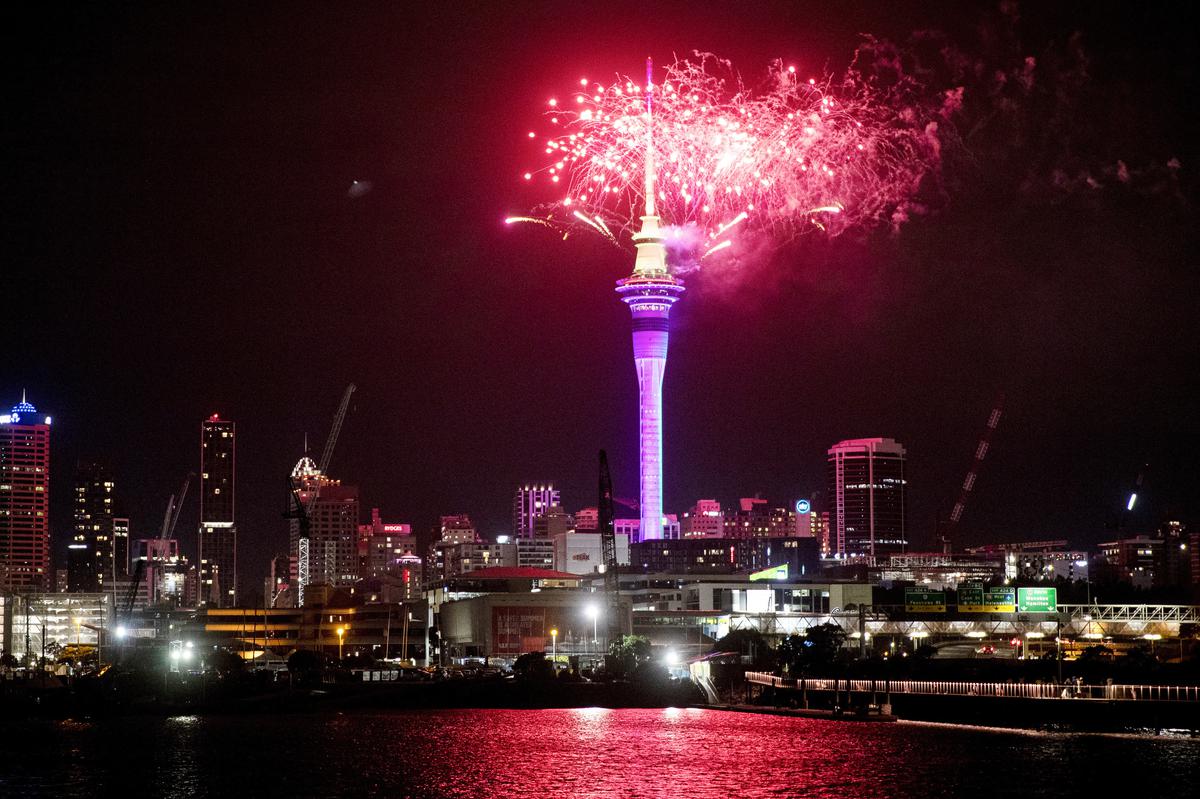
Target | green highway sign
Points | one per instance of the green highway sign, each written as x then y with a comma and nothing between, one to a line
977,599
921,601
1037,600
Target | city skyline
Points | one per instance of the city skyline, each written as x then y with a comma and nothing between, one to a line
1057,295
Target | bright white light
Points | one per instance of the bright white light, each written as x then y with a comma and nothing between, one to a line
592,611
977,634
1132,501
671,658
1152,637
121,631
1035,635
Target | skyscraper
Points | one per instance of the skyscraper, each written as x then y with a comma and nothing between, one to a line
650,292
24,499
332,511
218,531
866,485
530,502
91,554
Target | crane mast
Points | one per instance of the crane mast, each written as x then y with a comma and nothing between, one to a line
608,544
981,450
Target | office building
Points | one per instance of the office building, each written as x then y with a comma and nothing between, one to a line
529,503
382,546
218,528
24,499
91,556
703,520
866,488
332,546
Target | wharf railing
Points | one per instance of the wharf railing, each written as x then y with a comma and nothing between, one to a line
1157,693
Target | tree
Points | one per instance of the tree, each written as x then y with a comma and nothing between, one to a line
749,644
227,663
812,653
627,654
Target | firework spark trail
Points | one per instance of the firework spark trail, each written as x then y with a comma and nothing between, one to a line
796,155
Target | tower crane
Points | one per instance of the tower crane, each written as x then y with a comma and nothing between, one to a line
608,544
302,504
981,450
170,520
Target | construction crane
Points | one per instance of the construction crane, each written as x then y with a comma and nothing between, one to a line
301,505
170,521
981,450
608,544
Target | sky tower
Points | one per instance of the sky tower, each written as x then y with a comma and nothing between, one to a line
650,292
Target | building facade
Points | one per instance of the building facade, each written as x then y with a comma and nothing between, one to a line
91,564
218,528
703,520
24,499
866,488
332,511
530,502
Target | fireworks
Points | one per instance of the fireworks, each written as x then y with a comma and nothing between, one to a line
713,154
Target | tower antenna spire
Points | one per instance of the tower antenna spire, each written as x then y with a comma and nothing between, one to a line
651,175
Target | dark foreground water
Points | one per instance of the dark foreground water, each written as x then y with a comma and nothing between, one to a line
568,753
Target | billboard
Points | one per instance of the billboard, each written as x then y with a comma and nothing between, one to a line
919,601
779,572
1037,600
977,599
517,630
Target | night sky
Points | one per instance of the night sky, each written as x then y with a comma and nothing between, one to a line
180,238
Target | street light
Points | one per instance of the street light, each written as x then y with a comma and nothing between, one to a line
554,645
341,632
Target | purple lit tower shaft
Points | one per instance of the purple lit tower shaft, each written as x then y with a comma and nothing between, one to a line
650,292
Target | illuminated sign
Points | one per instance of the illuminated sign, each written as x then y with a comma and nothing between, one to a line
1037,600
779,572
803,506
977,599
917,600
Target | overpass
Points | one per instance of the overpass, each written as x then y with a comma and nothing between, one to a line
1086,622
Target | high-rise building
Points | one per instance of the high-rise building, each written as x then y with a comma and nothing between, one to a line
587,519
554,521
757,518
866,487
120,547
529,502
703,520
332,510
218,530
650,292
24,499
457,529
384,547
91,556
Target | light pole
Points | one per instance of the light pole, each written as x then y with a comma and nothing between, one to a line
341,632
554,647
594,612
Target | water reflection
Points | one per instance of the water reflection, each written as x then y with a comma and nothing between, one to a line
590,752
